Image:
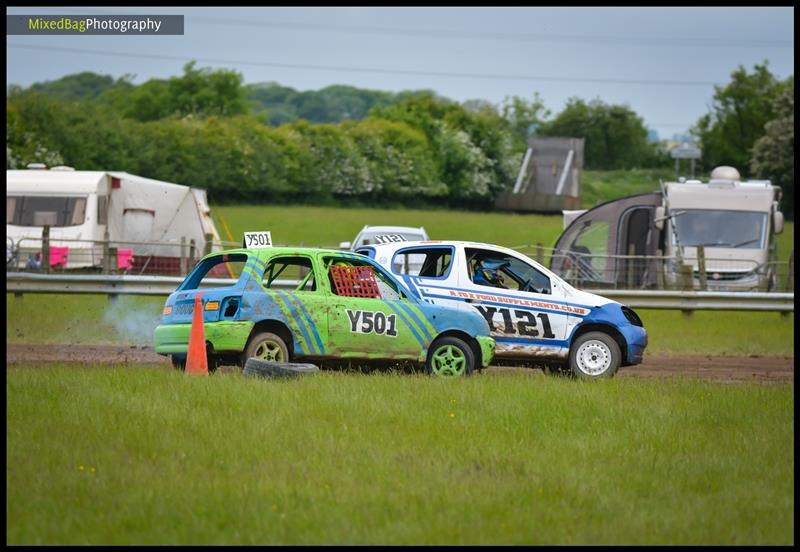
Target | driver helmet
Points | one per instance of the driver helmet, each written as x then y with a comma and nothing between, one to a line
486,273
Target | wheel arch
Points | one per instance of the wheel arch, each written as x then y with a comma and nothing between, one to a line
466,338
278,328
607,329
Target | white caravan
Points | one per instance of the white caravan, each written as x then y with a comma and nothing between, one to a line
85,206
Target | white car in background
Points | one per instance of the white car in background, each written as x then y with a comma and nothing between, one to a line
534,316
385,234
371,235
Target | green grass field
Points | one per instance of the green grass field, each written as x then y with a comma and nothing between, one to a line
92,319
151,456
329,226
600,186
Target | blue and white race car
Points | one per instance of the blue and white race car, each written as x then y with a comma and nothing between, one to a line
534,316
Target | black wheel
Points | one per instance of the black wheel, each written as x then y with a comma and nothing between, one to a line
266,346
269,369
178,362
450,357
594,355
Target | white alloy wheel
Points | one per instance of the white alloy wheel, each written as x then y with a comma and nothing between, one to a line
593,358
595,355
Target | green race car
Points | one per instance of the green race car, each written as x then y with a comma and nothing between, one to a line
331,306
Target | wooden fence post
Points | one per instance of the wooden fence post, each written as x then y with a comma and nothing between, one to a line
183,256
630,265
686,283
113,260
106,252
192,253
701,266
209,244
46,248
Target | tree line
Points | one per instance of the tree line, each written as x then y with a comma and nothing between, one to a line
266,142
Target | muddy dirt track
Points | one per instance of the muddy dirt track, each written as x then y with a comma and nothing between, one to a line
715,368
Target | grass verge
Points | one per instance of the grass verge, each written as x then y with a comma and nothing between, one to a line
151,456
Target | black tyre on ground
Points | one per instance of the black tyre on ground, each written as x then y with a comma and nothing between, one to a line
269,369
594,355
178,362
266,346
450,357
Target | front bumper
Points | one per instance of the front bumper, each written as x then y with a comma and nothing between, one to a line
636,337
225,336
487,345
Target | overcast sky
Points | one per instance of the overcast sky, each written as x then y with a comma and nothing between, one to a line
662,62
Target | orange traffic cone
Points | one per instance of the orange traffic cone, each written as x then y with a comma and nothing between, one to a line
196,361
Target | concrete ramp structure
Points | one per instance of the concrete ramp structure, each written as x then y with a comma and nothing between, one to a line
549,178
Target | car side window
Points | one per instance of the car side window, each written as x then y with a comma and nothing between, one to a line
499,270
293,268
223,266
433,262
387,289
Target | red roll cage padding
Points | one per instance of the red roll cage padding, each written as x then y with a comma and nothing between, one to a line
355,281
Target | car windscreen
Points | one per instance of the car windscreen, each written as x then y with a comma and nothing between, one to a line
717,228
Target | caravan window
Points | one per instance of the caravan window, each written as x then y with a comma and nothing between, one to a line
11,207
41,211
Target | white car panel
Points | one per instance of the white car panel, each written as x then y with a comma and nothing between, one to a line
523,323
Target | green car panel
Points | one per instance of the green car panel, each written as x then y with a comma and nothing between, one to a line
322,324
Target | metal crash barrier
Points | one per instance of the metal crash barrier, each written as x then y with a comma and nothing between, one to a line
24,282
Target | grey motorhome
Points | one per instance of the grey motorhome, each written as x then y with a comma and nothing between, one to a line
83,208
735,221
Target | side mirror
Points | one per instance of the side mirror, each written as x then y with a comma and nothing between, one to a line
777,221
659,218
344,245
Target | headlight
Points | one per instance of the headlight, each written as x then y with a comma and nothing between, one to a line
632,317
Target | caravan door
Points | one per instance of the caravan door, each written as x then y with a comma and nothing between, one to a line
639,237
137,226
